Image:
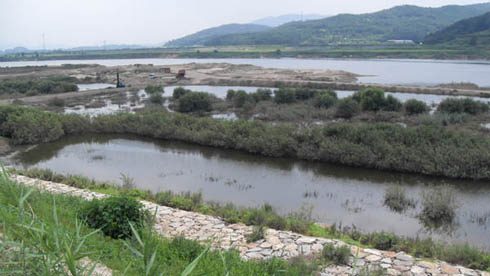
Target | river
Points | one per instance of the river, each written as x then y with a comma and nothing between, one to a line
338,194
386,71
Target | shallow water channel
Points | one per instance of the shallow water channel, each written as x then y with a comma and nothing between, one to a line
338,194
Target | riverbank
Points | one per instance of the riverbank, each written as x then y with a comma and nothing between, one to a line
425,149
272,51
282,244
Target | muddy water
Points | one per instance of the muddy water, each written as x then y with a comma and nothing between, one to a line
338,194
93,86
388,71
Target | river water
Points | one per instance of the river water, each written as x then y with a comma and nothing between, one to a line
388,71
338,194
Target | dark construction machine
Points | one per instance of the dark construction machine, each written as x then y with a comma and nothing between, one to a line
119,83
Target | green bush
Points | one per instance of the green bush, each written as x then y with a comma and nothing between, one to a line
336,255
371,99
56,102
262,95
439,205
153,89
383,241
180,92
392,104
414,107
230,94
467,105
347,108
113,215
325,100
241,97
31,126
284,95
257,234
156,98
195,102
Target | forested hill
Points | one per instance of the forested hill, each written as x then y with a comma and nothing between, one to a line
472,31
402,22
200,38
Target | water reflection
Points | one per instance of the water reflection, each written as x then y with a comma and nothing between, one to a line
339,194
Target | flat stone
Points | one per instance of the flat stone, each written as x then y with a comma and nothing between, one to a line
467,272
274,240
291,247
401,268
386,261
316,247
417,270
373,258
266,245
427,265
404,257
393,272
484,273
277,246
449,269
255,249
373,252
407,273
385,266
267,252
306,240
402,263
254,255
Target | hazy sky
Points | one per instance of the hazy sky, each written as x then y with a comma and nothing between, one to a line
70,23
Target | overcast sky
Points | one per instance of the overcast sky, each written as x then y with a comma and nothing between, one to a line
71,23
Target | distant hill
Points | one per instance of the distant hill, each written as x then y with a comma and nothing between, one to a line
398,23
202,37
274,21
472,32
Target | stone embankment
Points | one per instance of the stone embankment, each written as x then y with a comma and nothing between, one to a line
172,222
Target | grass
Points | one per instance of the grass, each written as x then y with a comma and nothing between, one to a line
49,239
299,222
439,205
395,198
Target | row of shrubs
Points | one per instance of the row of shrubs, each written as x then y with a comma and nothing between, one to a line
425,149
32,87
265,216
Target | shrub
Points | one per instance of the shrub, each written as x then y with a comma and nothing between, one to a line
396,199
257,234
230,94
371,99
347,108
262,95
336,255
383,241
392,104
180,92
284,95
113,215
439,205
325,100
152,89
240,98
156,99
29,126
56,102
467,105
195,102
414,107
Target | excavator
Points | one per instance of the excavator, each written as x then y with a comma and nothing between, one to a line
119,83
